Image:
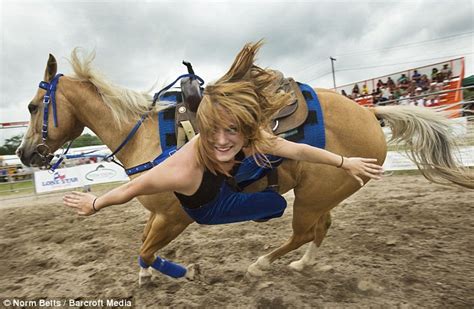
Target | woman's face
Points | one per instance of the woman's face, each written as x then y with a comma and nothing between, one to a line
228,141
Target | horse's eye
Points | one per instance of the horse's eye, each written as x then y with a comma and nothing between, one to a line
32,108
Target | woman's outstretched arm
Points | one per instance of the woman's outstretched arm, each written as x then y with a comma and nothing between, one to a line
354,166
168,176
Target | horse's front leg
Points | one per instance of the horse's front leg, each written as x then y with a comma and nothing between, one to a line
164,228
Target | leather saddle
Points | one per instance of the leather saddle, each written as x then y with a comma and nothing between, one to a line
287,119
294,114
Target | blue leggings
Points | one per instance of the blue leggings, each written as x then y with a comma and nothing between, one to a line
230,206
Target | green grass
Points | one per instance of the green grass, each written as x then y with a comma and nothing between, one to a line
22,188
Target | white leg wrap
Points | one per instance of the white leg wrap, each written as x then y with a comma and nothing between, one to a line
256,269
309,258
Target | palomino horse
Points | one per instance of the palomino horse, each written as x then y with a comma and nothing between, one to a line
88,100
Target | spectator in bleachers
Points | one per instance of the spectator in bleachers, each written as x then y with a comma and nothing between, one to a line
404,99
386,94
403,82
380,83
411,88
391,83
436,76
397,93
411,99
446,72
376,95
355,91
432,99
424,82
416,77
365,89
419,100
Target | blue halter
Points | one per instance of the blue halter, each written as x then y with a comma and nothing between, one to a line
49,99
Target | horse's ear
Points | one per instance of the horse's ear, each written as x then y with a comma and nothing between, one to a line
243,63
51,69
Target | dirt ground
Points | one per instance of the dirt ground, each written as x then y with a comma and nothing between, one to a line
398,243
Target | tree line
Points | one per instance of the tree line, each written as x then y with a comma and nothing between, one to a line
12,143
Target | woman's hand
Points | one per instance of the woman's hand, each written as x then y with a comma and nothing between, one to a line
82,202
357,167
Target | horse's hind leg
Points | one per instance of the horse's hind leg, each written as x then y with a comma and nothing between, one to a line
320,231
303,231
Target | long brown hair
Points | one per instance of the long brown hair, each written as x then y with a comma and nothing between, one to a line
248,95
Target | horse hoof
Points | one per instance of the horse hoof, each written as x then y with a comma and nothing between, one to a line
297,265
144,277
193,270
144,280
254,271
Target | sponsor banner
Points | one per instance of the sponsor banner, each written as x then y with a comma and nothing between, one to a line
398,160
101,173
64,178
78,176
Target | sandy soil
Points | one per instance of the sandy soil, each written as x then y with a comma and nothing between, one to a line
401,242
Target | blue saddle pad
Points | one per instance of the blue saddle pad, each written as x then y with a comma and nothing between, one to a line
311,132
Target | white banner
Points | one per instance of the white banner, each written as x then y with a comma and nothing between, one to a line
78,176
101,173
63,178
398,160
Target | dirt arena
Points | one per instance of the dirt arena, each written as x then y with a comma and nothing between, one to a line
398,243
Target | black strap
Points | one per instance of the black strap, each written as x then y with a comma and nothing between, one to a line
272,178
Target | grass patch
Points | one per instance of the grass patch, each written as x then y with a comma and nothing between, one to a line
13,188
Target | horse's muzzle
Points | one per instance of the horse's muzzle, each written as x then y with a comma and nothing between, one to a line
40,156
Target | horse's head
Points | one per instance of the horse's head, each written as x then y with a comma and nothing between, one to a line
52,120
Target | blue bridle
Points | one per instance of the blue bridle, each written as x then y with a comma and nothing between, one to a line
49,99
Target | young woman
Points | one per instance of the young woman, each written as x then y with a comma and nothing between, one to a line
233,120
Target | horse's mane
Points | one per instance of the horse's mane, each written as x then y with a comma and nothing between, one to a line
126,105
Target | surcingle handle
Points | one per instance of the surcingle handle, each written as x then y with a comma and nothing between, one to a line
166,267
189,66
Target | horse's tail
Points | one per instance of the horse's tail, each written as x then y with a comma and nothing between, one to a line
430,142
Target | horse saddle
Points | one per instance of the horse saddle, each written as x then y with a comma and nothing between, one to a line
287,119
294,114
